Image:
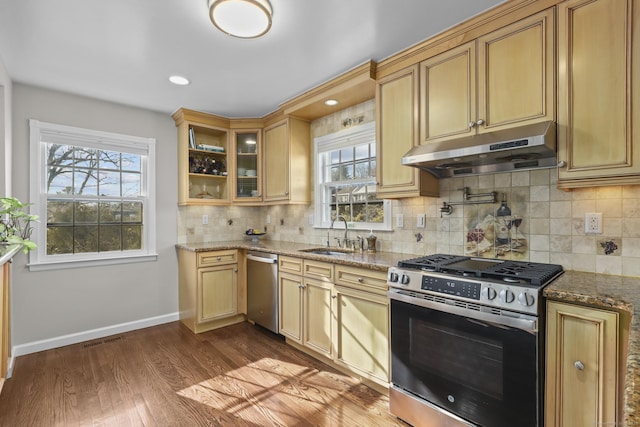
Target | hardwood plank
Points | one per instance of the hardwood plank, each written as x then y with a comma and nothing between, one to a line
240,375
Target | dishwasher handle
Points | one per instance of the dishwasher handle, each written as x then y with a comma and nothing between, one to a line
260,259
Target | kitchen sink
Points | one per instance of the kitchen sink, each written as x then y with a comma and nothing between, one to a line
327,251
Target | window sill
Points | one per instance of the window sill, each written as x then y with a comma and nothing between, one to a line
62,265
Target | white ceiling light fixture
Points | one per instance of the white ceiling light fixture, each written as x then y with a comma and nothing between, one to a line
245,19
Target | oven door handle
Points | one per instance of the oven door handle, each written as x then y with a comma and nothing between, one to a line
515,320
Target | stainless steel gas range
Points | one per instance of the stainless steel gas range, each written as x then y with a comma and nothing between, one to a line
465,342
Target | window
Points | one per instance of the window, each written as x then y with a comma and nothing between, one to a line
346,180
95,195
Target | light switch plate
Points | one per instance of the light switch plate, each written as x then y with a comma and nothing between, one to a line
420,221
399,220
205,219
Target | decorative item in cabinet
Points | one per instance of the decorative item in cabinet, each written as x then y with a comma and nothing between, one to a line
248,152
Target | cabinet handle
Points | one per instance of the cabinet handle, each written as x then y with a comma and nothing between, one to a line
472,124
578,365
480,122
562,163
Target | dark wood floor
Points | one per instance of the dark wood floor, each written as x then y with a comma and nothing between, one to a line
167,376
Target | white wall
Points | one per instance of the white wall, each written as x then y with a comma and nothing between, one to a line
5,131
51,304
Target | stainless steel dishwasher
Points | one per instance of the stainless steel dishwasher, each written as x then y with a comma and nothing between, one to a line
262,289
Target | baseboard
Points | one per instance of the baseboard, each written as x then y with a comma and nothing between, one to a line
61,341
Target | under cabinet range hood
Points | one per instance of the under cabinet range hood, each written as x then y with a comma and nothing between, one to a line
525,147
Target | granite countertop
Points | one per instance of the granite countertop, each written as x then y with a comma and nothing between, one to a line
379,261
617,293
7,252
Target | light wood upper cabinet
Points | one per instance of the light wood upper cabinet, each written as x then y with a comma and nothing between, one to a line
202,173
397,133
501,80
287,171
582,366
247,174
598,92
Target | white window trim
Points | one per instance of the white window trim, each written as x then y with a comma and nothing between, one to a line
333,141
38,259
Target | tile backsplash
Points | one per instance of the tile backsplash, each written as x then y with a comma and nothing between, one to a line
552,228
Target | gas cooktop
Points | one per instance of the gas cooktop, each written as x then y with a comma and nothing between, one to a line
531,273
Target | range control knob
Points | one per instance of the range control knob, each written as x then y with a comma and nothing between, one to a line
404,279
489,293
393,277
526,299
507,296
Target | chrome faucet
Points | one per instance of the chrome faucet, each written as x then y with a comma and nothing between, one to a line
343,219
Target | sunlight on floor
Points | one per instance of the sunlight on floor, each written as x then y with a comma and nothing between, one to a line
270,387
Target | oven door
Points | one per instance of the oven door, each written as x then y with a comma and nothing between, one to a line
468,364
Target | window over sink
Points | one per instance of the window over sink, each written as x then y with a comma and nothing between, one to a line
345,180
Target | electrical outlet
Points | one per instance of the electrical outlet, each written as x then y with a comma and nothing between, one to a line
310,219
205,219
268,219
593,223
421,220
399,220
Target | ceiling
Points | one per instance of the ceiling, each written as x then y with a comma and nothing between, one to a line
124,51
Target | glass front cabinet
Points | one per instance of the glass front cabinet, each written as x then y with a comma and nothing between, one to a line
248,159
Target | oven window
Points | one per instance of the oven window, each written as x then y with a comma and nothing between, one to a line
455,355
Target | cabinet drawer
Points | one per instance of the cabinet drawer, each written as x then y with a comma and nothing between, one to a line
207,259
361,278
318,270
290,265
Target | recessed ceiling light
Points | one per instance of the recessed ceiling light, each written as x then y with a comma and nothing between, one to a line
331,102
179,80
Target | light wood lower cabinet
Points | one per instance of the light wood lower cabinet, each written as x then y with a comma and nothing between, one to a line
337,313
211,289
306,303
5,331
582,366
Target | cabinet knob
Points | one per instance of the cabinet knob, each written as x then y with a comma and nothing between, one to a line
472,124
219,258
578,365
562,163
480,122
360,279
286,193
334,296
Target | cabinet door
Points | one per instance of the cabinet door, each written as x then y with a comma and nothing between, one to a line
362,333
317,319
397,133
5,330
218,292
598,91
247,149
582,366
276,162
516,74
448,94
290,306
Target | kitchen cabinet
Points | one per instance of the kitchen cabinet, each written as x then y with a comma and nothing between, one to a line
287,171
212,289
397,133
362,322
5,330
500,80
582,366
305,306
247,149
203,161
598,93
